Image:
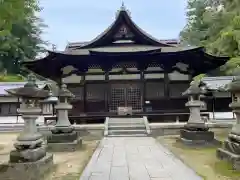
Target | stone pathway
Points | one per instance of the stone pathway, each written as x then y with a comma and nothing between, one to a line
135,158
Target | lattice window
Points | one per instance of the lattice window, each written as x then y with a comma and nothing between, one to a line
126,95
154,90
130,65
154,66
118,65
96,92
134,98
125,65
8,109
94,66
117,98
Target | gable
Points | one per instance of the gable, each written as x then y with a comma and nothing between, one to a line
122,29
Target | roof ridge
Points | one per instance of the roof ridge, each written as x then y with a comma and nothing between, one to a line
78,44
124,15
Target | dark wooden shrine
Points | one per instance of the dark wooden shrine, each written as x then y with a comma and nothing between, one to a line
125,66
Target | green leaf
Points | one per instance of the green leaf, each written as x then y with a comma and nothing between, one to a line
20,32
218,30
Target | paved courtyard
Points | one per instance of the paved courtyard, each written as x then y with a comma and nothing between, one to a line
135,158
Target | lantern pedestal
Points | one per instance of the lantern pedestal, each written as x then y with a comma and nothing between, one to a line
29,160
195,132
231,153
64,137
231,147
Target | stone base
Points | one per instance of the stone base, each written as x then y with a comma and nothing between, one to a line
232,146
27,155
196,127
65,147
62,137
230,157
201,143
62,129
198,138
27,171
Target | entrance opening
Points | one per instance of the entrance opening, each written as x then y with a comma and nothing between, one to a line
126,95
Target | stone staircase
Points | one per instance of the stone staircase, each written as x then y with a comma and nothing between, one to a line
126,127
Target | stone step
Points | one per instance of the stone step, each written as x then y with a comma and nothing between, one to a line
121,119
231,146
228,156
127,120
128,135
127,127
125,123
127,132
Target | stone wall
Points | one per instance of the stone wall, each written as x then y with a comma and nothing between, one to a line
158,129
87,132
91,132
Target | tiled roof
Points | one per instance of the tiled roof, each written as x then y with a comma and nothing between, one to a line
217,83
131,48
10,85
73,45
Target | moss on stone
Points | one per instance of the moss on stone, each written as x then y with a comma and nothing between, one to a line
12,78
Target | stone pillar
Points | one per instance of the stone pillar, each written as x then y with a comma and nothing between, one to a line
196,132
64,137
29,159
195,120
231,147
29,145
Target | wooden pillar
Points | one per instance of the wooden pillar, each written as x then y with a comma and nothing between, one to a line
107,92
84,92
143,91
213,106
166,84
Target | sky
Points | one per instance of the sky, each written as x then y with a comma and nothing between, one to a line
83,20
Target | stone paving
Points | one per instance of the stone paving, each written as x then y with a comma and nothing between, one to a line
135,158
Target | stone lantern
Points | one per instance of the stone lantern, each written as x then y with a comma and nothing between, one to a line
48,104
231,147
64,137
29,160
195,132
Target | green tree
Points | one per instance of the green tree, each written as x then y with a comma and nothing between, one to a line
20,31
194,32
216,25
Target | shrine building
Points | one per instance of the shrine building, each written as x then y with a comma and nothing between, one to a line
126,67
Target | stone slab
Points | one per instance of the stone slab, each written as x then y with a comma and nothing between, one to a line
200,143
232,158
135,158
27,171
28,155
197,135
65,147
232,146
62,137
199,138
